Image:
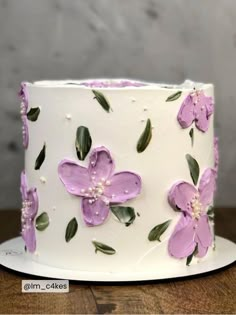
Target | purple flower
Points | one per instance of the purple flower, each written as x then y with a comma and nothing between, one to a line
196,107
193,227
216,153
98,185
28,213
24,107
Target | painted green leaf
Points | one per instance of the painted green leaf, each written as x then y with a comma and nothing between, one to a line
193,168
71,229
33,113
158,230
83,142
211,213
42,221
174,96
102,100
41,157
190,257
125,215
145,137
191,134
105,249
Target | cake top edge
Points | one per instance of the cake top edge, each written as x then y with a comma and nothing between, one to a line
118,84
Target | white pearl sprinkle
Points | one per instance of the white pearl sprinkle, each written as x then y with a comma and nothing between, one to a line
90,201
43,179
108,182
90,189
94,172
142,120
103,179
145,109
133,99
54,208
97,213
126,191
82,190
113,196
68,116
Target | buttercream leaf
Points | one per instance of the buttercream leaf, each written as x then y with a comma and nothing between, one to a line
193,168
33,113
40,159
125,215
105,249
102,100
83,142
71,229
145,137
190,257
191,134
157,231
174,96
42,221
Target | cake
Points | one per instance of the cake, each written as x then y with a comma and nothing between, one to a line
119,174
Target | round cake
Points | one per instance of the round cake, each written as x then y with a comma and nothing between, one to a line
119,174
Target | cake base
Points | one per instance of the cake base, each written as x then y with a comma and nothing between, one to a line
12,256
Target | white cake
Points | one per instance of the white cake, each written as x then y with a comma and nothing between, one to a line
110,170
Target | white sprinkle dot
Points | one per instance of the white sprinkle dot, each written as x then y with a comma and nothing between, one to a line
43,179
126,191
133,99
142,120
97,213
82,190
145,109
108,182
68,116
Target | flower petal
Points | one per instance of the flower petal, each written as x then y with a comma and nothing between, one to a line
203,110
101,164
207,187
180,196
23,185
32,196
186,113
203,231
124,186
94,213
23,94
75,177
216,154
181,243
28,235
25,131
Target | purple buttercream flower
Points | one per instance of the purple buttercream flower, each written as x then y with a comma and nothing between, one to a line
196,107
216,153
24,107
28,213
98,185
112,84
193,227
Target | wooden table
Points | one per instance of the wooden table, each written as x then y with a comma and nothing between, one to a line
211,293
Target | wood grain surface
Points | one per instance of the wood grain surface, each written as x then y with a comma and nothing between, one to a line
212,293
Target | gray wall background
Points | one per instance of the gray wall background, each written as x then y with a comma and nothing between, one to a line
147,39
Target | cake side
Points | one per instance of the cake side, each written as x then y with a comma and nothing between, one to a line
152,137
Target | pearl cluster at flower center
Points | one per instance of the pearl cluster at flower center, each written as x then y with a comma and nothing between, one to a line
196,207
96,191
25,217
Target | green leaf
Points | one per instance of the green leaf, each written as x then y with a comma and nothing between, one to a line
158,230
211,213
174,96
105,249
40,159
83,142
125,215
102,100
42,221
193,168
191,134
145,137
190,257
71,229
33,113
